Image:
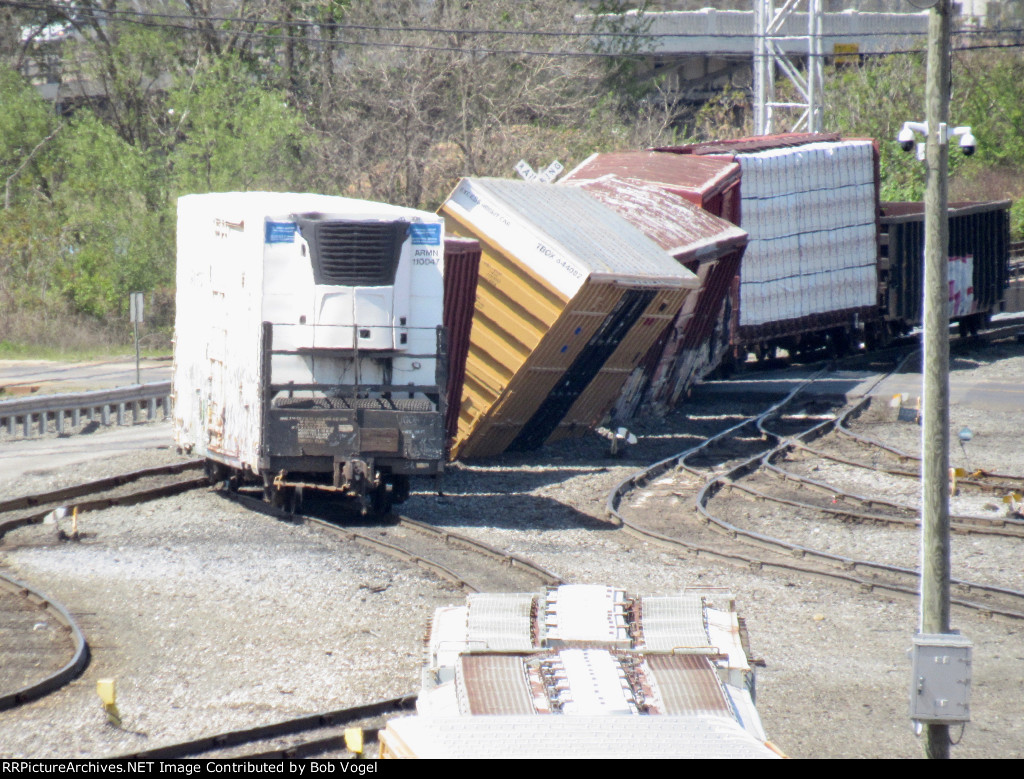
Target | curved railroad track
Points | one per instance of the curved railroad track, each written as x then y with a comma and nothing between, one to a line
735,454
458,559
41,631
982,481
39,634
763,484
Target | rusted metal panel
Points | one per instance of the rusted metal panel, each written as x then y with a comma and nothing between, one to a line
707,182
493,684
711,247
687,685
687,232
461,269
750,145
553,304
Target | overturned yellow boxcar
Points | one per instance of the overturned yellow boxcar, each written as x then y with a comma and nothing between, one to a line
570,297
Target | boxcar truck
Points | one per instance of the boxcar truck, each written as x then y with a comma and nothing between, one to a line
308,344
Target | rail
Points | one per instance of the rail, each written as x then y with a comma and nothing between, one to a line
71,670
33,415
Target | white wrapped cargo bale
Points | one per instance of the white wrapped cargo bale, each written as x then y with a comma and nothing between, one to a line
810,212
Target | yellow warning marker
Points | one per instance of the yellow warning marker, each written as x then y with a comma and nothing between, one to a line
1012,500
107,691
354,741
74,522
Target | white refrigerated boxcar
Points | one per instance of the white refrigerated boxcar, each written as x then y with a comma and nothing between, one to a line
308,343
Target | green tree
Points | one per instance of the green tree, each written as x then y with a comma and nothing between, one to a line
110,202
28,139
26,126
231,133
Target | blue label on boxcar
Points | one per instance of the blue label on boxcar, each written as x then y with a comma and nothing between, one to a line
280,232
425,235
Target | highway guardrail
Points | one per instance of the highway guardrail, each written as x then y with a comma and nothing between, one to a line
33,415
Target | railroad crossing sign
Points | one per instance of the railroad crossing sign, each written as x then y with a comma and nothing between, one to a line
550,173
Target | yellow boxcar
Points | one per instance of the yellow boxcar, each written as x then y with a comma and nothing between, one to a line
569,299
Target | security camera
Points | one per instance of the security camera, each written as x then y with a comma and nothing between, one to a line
967,144
906,139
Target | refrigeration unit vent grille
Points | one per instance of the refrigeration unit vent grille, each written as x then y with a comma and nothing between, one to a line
350,254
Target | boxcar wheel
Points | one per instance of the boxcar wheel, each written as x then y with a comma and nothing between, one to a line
274,495
215,472
400,493
383,498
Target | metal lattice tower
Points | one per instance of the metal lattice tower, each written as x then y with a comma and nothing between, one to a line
773,43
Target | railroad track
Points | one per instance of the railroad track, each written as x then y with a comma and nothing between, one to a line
39,634
314,735
991,482
714,468
458,559
126,489
454,557
39,631
827,498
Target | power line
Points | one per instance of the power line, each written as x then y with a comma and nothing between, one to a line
146,19
129,15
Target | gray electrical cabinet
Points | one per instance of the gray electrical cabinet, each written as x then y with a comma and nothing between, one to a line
940,686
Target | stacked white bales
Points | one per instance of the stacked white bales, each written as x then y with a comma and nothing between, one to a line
811,214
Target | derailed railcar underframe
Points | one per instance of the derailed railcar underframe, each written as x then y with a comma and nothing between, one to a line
355,438
805,325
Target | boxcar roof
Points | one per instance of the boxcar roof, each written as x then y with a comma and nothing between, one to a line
568,221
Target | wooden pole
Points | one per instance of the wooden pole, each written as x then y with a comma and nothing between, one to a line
935,554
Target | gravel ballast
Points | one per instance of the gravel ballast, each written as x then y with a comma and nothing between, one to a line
211,617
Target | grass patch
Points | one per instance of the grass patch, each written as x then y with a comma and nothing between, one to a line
68,337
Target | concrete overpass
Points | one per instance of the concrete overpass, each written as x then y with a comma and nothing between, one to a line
699,50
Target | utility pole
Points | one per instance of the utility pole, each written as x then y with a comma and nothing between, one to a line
935,551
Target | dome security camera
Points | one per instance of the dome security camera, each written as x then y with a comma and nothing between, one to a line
906,139
968,144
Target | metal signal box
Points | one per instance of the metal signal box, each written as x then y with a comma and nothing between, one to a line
940,685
